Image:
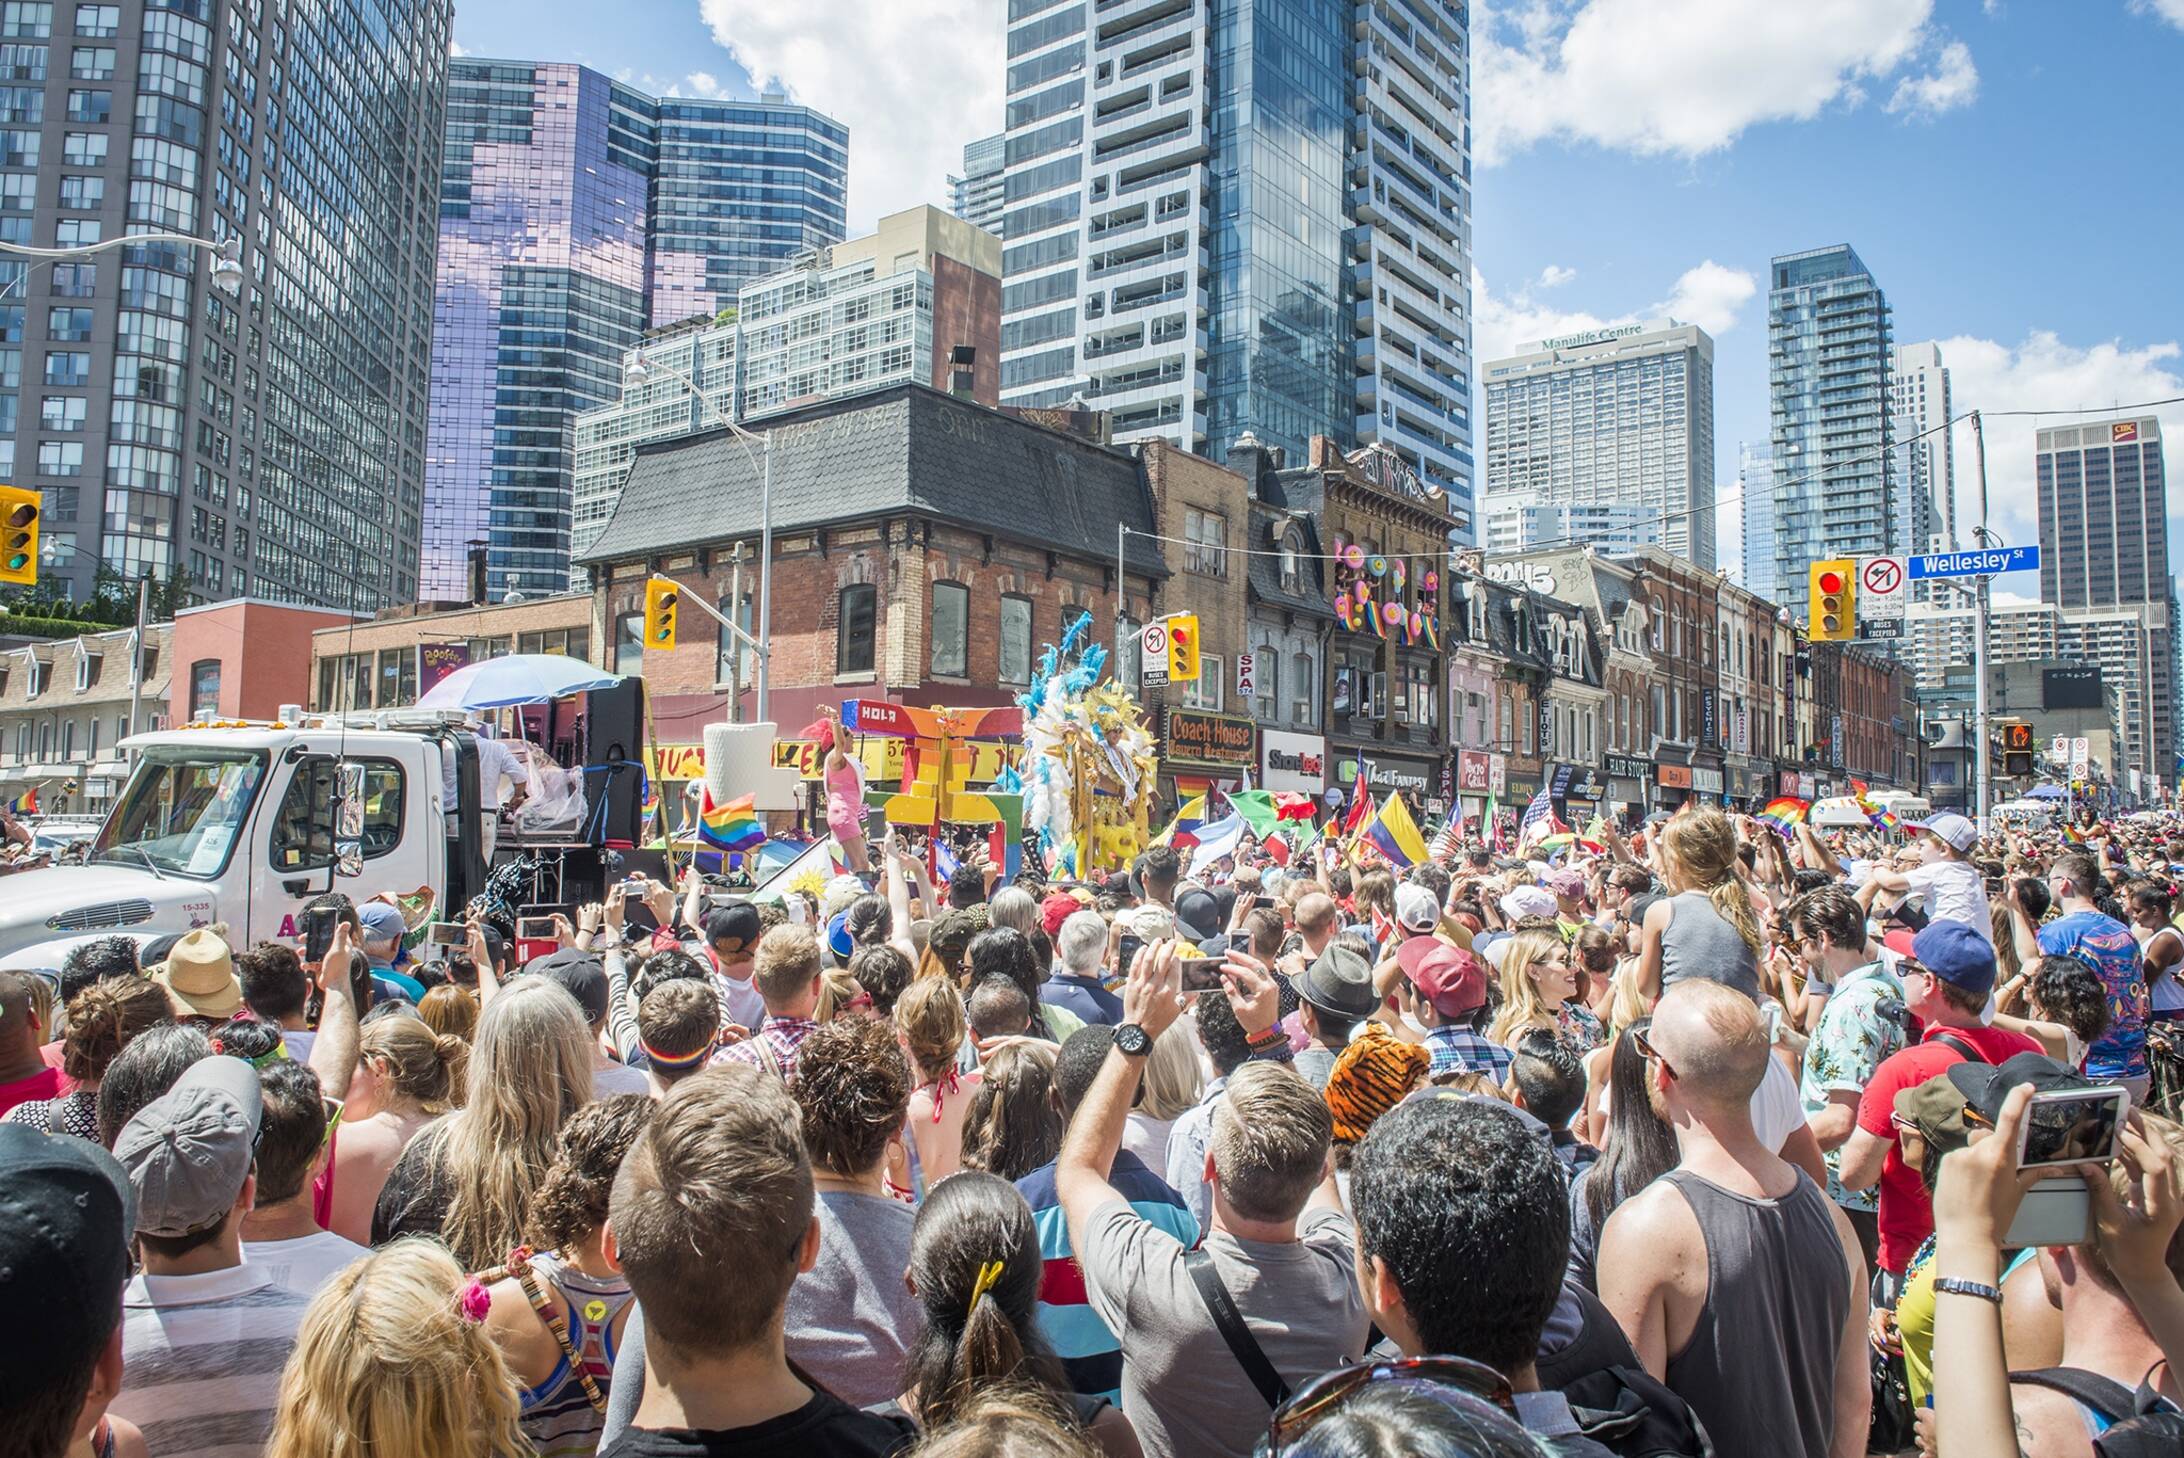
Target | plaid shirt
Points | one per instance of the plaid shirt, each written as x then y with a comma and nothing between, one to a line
1461,1050
783,1036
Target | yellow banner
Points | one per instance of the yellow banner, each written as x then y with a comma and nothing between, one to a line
883,759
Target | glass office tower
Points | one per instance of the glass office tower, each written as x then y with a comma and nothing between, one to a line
272,444
575,213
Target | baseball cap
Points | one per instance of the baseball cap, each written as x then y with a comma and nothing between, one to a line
734,920
1416,909
188,1151
381,922
580,974
1197,915
1339,981
1151,922
1454,982
1528,901
1986,1085
1936,1108
1953,831
1567,882
67,1220
1957,953
839,941
1056,909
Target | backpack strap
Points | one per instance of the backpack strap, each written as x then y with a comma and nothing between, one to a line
1227,1320
519,1268
2111,1399
1971,1054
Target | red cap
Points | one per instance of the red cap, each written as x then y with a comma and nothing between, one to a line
1056,909
1898,941
1453,981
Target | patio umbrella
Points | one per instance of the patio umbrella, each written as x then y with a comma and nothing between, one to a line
2047,792
518,678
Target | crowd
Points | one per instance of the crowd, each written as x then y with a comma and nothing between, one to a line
1705,1140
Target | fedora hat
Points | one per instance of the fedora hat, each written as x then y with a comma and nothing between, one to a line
200,974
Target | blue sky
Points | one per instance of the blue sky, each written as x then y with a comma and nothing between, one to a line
2007,168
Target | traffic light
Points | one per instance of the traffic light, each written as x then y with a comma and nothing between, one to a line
661,599
1183,648
1833,596
19,511
2017,749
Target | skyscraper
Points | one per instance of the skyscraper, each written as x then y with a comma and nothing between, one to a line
1260,224
1755,494
575,212
1830,350
975,197
273,444
1919,410
1619,419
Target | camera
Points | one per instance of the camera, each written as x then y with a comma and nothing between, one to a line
1891,1009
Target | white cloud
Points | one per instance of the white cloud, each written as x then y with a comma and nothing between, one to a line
2043,373
1954,82
1708,295
703,83
1683,77
455,51
1554,276
2169,10
913,80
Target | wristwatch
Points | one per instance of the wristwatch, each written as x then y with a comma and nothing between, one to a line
1133,1041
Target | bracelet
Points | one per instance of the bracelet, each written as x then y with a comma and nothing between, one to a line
1272,1037
1955,1286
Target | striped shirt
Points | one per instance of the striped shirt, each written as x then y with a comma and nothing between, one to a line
1091,1354
782,1037
1463,1050
202,1358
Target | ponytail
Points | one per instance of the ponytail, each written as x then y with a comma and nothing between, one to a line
429,1067
988,1350
1735,905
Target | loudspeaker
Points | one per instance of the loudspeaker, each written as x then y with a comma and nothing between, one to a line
614,759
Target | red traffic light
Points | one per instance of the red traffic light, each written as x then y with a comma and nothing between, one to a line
1831,581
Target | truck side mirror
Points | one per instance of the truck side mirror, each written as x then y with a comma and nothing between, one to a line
349,823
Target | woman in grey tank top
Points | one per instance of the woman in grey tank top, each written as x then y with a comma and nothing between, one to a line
1706,929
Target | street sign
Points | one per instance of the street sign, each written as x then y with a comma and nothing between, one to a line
1153,654
1974,564
1880,597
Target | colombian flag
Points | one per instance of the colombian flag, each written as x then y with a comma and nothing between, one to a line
734,826
1395,835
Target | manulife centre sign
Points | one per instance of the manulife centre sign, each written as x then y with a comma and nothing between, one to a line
1592,336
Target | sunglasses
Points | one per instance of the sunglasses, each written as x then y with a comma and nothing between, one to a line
1316,1398
1652,1054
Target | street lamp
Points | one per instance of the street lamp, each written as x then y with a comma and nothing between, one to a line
634,375
225,272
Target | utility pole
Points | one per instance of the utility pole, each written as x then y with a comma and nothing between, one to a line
1982,591
735,644
136,651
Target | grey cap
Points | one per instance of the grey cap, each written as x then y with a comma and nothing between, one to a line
188,1151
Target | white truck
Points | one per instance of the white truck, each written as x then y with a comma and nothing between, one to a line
243,823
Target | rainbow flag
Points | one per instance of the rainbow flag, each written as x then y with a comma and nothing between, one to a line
2074,835
734,826
1785,814
1395,834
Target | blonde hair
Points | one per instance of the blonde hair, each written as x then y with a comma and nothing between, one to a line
385,1363
533,1068
423,1066
1702,848
1522,1006
929,1016
1626,1003
450,1008
1174,1079
1270,1136
837,990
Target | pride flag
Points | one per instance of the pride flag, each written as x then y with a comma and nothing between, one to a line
1395,835
1785,814
734,826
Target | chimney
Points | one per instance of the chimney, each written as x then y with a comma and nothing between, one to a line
962,367
1249,459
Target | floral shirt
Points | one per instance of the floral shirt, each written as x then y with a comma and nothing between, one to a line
1852,1040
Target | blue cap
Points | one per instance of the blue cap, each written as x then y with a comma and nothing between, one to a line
839,940
1958,953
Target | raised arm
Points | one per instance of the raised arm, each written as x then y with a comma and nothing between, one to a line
1151,999
333,1051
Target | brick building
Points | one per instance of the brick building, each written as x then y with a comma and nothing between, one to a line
1202,512
244,659
925,548
374,664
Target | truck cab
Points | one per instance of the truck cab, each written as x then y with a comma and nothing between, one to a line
244,823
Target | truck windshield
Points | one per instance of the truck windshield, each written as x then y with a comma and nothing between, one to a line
183,811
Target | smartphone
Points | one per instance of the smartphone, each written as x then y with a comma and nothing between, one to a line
2053,1212
1126,952
535,929
1200,973
634,889
447,934
2075,1126
318,932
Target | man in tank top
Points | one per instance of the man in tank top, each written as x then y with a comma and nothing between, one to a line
1738,1281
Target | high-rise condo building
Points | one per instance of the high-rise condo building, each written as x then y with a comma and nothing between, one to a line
271,444
1919,409
1755,497
1620,421
1830,352
1250,216
2104,520
576,212
975,197
919,299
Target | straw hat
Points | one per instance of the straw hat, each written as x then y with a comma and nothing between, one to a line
199,973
